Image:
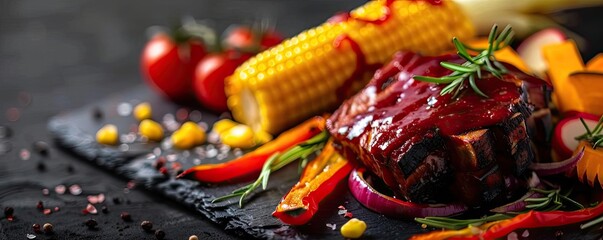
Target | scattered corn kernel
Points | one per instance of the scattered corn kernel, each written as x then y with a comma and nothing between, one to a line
151,130
183,139
143,111
353,228
262,137
107,135
239,136
222,125
195,130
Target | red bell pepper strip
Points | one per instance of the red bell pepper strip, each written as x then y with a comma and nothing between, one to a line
252,162
318,180
531,219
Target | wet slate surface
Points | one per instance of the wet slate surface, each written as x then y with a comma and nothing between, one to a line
75,132
58,56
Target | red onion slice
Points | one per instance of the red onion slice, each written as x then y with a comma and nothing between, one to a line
520,204
547,169
392,207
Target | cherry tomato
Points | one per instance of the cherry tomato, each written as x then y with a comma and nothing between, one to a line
168,66
210,75
244,38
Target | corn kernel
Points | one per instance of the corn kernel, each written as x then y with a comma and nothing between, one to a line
262,137
151,130
239,136
107,135
222,125
354,228
143,111
182,139
193,129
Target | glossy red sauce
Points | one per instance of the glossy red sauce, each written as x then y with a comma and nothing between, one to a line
345,16
393,118
361,67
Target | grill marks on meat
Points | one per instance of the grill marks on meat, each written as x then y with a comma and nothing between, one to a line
429,148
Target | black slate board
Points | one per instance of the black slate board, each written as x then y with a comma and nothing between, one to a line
75,131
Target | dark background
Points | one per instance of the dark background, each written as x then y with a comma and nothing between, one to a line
59,55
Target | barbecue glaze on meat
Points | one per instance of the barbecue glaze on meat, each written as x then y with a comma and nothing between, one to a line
432,149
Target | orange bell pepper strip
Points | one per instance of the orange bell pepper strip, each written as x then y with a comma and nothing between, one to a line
252,162
318,180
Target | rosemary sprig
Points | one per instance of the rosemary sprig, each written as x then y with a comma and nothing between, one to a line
455,224
278,161
552,200
594,136
471,70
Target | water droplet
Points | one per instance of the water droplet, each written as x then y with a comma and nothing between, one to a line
157,151
30,236
5,147
124,147
224,148
128,138
182,114
45,192
75,189
195,116
171,157
197,161
13,114
431,101
124,109
238,152
512,236
24,154
212,153
525,233
213,138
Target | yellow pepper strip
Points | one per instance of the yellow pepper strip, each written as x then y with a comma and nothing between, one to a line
143,111
107,135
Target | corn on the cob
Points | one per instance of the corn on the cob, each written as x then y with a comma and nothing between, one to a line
301,77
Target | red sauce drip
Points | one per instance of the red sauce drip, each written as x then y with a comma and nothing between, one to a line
345,16
432,2
362,66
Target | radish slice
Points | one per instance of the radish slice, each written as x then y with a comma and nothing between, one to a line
530,50
566,131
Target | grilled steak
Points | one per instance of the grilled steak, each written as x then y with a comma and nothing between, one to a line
430,148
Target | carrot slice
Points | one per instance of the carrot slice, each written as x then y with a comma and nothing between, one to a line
595,64
564,59
506,54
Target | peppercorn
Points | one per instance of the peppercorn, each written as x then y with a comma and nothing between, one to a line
146,225
97,113
41,147
8,211
40,205
104,209
70,169
159,234
125,216
48,228
116,200
41,166
193,237
37,228
91,223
